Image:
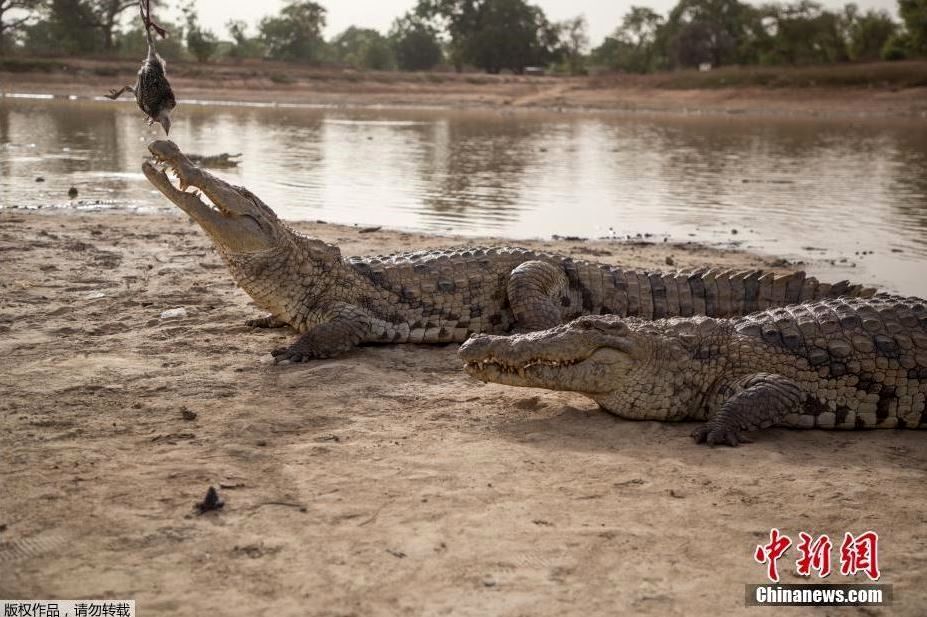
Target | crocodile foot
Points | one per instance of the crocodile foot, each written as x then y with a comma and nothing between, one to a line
296,353
325,340
719,436
268,321
307,347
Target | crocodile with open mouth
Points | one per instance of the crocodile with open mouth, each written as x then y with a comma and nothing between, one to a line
838,363
442,295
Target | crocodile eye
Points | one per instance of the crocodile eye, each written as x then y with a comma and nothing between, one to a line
615,328
608,324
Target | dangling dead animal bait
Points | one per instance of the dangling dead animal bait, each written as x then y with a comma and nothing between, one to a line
152,91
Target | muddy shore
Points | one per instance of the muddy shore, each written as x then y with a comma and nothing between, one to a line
384,482
882,90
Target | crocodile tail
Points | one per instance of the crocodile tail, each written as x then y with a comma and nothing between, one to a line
726,293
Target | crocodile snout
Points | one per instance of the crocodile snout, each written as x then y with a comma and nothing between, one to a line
475,347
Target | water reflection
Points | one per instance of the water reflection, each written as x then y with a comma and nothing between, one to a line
472,171
909,183
786,185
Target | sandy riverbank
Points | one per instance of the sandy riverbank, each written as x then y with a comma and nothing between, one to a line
384,482
881,90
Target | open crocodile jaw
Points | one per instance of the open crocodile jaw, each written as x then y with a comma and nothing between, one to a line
166,156
230,215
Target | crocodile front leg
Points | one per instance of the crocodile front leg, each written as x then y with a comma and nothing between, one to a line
764,401
535,290
346,327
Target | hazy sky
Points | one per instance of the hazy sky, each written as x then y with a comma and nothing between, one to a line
601,15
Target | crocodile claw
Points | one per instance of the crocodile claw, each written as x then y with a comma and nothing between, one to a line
294,354
719,436
287,354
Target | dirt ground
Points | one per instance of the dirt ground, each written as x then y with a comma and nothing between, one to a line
668,92
385,482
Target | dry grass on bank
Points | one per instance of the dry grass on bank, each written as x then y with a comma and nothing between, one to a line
882,75
877,90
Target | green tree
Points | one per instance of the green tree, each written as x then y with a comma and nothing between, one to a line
713,31
379,55
897,47
133,43
494,34
574,43
107,15
14,16
415,44
363,48
804,33
914,15
81,26
243,46
66,27
869,33
633,47
296,34
201,43
458,18
512,34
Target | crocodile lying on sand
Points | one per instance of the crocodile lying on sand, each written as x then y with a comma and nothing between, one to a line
438,296
838,363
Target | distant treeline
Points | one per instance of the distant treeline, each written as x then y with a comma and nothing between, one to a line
490,35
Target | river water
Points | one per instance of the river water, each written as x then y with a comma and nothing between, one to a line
848,197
